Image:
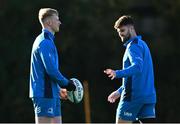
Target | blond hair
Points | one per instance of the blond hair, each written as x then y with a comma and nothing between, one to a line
45,13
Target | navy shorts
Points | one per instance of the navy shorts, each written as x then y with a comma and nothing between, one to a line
47,107
131,111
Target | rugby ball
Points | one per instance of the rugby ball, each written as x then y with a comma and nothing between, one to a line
77,95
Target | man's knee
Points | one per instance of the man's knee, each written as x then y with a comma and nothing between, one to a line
119,121
48,119
56,120
42,120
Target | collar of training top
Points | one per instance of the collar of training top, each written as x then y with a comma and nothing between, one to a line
49,33
132,39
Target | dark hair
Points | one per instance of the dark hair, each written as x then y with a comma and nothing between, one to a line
123,20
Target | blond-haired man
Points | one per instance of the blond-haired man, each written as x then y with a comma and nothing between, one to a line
46,80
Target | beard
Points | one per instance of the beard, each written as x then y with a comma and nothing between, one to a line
126,37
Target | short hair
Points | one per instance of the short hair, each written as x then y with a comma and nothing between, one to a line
123,21
46,12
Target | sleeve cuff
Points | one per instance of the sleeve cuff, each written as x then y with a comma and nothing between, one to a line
120,90
118,74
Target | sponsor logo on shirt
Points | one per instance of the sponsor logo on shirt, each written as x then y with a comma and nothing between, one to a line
50,110
127,114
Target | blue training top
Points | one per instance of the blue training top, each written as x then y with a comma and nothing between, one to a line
45,78
137,73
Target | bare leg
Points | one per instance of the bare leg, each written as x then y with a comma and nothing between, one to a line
42,120
119,121
57,119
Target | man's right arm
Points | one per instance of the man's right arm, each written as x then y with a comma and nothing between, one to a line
120,90
48,59
135,55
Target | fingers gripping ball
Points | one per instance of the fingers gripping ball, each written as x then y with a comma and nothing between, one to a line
77,95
